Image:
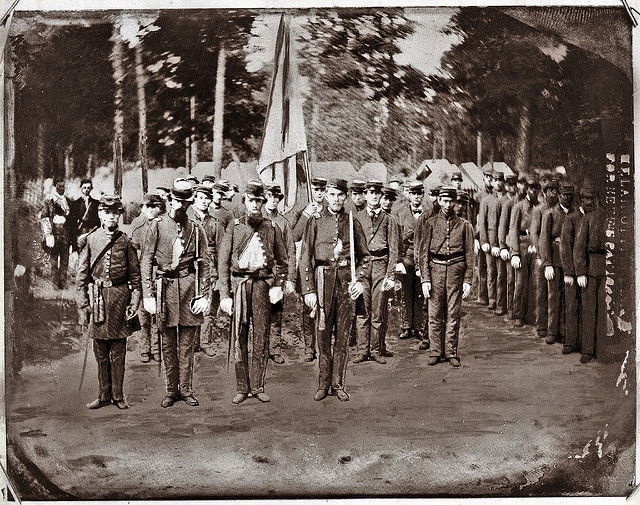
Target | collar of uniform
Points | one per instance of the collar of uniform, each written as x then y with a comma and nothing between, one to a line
108,232
417,209
269,213
374,211
331,213
450,217
566,210
582,210
200,214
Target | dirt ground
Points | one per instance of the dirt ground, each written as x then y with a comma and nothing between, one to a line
517,419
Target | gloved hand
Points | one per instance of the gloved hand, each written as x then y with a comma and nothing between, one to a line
476,246
19,271
549,273
486,247
582,281
532,249
417,272
275,294
130,311
355,289
515,261
400,268
310,209
466,290
426,289
200,305
84,316
49,240
504,254
311,300
388,284
149,304
568,280
495,251
289,287
226,304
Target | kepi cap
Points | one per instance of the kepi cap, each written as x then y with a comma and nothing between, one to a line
182,190
448,192
110,202
339,184
255,189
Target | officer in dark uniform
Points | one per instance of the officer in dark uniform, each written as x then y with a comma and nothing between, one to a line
590,259
301,218
108,284
446,264
382,241
152,207
507,203
573,316
253,269
523,253
550,231
178,246
274,196
332,283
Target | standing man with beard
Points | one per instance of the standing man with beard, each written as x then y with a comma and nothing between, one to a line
446,263
382,242
508,201
334,260
108,284
274,196
590,259
56,229
523,253
550,198
179,248
412,300
253,269
312,211
572,292
550,231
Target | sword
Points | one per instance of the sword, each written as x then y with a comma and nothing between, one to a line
84,331
352,249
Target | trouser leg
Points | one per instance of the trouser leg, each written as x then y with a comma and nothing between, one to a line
363,321
541,297
572,314
520,288
501,285
170,355
145,331
261,319
325,355
483,294
491,278
275,331
101,352
64,264
589,316
418,321
453,286
186,343
511,281
117,356
345,310
242,365
437,309
308,330
407,281
554,301
379,308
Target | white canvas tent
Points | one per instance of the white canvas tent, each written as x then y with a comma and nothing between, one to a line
370,171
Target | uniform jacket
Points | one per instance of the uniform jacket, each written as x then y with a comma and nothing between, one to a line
446,237
139,227
568,240
382,234
408,222
53,211
119,272
417,238
179,284
287,235
550,231
485,227
319,243
235,241
224,216
299,223
84,218
476,209
506,206
536,225
215,232
590,250
520,227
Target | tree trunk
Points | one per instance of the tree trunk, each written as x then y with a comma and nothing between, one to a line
87,172
524,139
117,63
142,116
218,112
433,151
192,140
314,130
68,162
443,138
492,148
40,159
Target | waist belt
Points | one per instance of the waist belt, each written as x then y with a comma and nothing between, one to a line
109,283
175,274
263,273
597,251
447,259
334,264
380,253
556,239
523,232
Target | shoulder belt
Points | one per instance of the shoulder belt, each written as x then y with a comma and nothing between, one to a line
104,251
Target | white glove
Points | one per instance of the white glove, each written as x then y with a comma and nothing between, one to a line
582,281
275,294
311,300
476,245
504,254
515,261
200,305
495,251
355,289
149,304
466,289
49,240
310,209
417,272
426,289
538,261
19,271
486,247
289,287
568,280
388,284
226,305
400,268
548,273
532,249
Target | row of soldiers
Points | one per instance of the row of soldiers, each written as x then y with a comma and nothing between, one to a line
197,258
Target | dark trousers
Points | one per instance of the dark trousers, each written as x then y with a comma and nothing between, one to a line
523,294
60,262
339,311
110,355
204,335
275,333
148,337
177,349
412,301
594,322
540,296
511,285
501,284
555,303
492,275
252,367
445,302
572,314
370,324
483,295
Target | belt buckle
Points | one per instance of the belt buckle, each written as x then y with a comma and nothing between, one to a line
107,284
343,263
